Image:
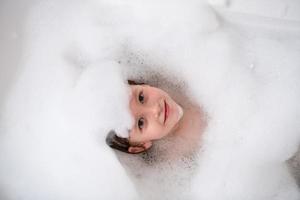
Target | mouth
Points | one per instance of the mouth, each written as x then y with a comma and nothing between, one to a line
166,111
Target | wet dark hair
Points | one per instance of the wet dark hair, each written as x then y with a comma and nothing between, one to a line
116,142
119,143
131,82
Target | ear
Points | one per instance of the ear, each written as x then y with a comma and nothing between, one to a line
147,145
141,148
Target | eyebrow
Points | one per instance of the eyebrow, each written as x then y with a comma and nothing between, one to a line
134,95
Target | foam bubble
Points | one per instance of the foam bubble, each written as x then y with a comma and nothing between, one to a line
71,91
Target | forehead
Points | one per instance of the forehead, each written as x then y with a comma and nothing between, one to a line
146,88
133,104
133,87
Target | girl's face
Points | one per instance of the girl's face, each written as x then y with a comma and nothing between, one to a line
155,113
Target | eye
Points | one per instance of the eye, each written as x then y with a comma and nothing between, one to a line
141,97
140,123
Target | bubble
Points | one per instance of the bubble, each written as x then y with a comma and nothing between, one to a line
71,89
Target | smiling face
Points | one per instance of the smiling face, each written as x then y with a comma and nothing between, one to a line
155,115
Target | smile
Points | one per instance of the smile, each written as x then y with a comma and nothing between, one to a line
166,111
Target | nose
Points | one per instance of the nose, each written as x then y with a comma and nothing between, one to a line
154,110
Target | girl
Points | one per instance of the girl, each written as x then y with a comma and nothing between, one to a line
157,115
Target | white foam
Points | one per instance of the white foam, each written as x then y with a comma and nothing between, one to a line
71,90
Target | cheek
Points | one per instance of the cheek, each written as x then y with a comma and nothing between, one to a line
156,132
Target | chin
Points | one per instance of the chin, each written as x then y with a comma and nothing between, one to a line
180,112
